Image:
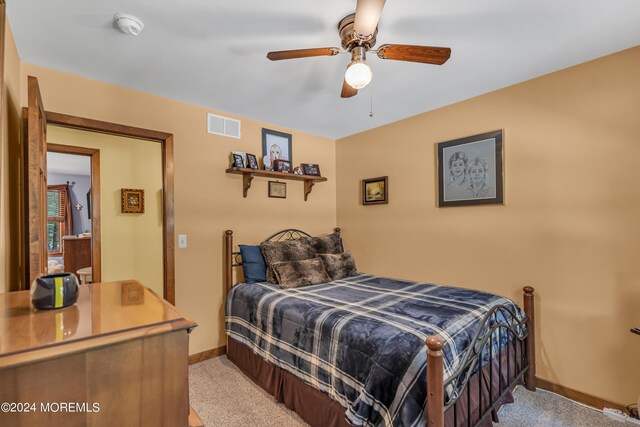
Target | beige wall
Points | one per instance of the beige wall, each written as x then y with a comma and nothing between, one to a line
569,226
207,200
131,244
9,164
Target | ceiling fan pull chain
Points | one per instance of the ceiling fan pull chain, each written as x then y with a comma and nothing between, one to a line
371,104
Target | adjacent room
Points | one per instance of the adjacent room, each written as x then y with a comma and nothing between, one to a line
326,214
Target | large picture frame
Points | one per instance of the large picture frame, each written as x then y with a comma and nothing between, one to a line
470,170
276,145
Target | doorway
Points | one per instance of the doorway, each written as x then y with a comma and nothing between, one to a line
73,211
36,120
131,237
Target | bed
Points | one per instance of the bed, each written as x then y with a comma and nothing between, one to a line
352,351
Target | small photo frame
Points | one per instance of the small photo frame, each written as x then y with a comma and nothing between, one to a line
238,159
252,161
280,165
132,200
470,170
310,169
375,191
278,189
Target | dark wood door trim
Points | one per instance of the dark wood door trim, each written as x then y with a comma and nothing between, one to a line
83,123
35,186
166,139
96,234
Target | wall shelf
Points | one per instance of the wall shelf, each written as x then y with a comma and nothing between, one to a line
249,174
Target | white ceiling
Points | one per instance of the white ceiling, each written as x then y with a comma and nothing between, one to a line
69,164
213,53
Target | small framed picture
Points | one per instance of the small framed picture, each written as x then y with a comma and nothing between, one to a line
238,160
470,170
278,189
282,165
132,200
252,161
310,169
375,191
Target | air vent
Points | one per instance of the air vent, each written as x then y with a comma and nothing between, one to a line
220,125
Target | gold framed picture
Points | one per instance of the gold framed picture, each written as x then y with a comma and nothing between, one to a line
278,189
375,191
132,200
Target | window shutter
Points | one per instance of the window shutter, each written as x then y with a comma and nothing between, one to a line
62,203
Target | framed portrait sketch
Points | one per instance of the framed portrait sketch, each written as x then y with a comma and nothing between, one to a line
375,191
275,145
470,170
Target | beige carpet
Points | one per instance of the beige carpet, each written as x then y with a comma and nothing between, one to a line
223,396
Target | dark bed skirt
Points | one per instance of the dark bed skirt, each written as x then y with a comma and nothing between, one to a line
319,410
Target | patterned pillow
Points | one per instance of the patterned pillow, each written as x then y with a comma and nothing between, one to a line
339,266
294,274
329,244
287,250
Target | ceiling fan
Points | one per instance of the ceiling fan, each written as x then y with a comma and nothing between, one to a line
358,33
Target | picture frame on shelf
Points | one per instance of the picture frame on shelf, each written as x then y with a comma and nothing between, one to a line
278,189
276,145
238,159
252,161
280,165
375,191
132,200
310,169
470,170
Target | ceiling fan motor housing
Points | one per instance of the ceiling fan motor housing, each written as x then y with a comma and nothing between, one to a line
348,36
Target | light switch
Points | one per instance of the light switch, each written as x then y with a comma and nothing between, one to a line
182,241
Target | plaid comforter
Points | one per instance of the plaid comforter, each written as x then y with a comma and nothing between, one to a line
360,340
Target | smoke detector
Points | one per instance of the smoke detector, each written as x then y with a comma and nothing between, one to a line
128,23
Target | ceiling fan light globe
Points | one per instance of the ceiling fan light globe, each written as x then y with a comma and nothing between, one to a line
358,75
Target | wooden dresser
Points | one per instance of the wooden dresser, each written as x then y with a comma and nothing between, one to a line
118,357
76,253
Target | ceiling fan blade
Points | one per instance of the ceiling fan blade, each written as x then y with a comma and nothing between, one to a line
424,54
302,53
347,90
367,16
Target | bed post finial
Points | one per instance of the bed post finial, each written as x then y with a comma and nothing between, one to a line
228,260
530,376
336,230
435,382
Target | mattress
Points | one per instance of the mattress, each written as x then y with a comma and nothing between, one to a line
361,340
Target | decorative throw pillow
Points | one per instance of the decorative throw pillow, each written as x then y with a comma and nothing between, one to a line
254,268
339,266
330,244
287,250
294,274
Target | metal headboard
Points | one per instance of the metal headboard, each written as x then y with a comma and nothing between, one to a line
234,259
